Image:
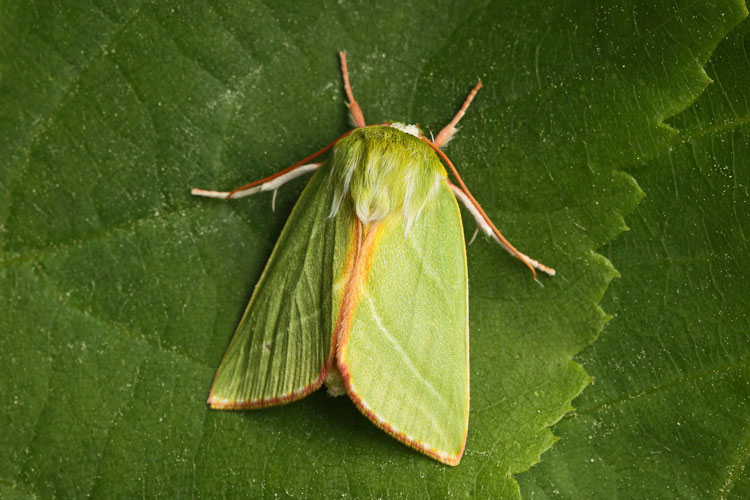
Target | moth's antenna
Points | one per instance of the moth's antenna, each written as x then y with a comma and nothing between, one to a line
482,219
300,167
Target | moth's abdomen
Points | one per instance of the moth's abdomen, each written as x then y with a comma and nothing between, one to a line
384,171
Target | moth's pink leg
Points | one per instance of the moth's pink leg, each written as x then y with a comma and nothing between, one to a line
354,109
446,134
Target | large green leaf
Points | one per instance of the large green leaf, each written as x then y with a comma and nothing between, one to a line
668,416
119,292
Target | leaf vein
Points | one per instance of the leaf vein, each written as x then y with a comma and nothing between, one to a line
667,385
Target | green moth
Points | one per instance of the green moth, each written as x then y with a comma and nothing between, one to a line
366,289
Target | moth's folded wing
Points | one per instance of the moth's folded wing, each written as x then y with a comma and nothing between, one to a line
282,346
405,358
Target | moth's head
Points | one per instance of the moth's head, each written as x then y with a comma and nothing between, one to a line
409,129
384,170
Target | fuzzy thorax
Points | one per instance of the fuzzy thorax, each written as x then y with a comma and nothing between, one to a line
384,170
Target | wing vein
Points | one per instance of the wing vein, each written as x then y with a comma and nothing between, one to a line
400,350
